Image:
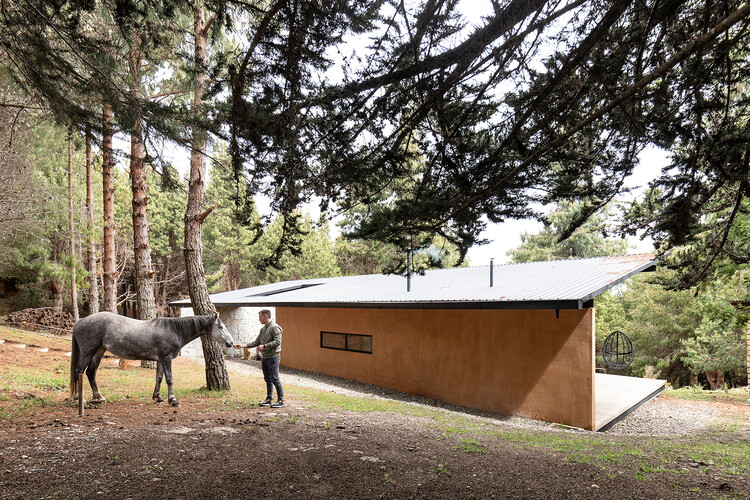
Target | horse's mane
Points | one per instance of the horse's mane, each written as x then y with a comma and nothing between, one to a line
186,327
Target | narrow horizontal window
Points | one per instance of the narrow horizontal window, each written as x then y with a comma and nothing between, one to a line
333,340
346,342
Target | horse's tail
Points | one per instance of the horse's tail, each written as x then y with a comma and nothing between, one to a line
75,353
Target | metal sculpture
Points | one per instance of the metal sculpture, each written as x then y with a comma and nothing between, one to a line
618,350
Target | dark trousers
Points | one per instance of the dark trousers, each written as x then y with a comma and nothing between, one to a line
271,375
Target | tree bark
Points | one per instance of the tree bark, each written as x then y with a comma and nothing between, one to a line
90,245
109,277
56,286
73,286
57,296
161,289
217,377
144,273
715,379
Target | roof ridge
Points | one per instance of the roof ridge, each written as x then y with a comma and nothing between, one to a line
655,254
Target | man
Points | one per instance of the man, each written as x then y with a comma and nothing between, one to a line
268,344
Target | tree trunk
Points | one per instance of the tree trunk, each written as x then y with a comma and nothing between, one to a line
166,269
57,294
715,379
56,286
216,372
109,276
228,277
90,245
144,273
161,289
73,286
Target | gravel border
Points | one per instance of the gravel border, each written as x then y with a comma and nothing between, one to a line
655,418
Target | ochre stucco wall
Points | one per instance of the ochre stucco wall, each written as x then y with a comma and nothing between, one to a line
512,362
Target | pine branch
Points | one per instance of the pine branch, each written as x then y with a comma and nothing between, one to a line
21,106
470,49
737,16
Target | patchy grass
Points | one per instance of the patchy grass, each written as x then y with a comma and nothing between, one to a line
647,455
25,385
35,339
31,380
329,401
733,396
471,446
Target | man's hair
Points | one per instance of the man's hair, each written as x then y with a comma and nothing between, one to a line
266,312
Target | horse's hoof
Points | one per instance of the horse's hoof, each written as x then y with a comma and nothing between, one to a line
158,399
96,401
175,404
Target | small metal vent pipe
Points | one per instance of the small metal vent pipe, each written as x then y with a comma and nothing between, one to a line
492,269
408,271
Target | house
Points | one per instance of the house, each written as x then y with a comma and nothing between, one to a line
514,339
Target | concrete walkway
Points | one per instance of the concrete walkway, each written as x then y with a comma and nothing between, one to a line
617,396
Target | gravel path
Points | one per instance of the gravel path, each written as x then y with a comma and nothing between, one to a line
658,417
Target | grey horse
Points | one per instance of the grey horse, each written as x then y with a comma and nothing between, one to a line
158,339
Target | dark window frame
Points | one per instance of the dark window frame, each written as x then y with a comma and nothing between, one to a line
346,342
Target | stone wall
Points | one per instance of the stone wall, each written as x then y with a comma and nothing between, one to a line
242,323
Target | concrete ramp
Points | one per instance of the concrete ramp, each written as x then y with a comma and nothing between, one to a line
617,396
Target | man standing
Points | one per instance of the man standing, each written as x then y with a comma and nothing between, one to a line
269,345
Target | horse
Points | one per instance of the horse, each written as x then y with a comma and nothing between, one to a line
158,339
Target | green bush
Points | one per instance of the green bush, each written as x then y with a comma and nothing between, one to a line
29,297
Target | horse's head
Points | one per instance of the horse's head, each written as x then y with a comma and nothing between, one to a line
219,332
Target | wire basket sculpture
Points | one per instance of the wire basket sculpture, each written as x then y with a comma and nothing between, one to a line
618,350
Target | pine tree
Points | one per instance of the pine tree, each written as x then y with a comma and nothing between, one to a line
588,240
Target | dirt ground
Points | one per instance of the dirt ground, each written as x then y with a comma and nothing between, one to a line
134,448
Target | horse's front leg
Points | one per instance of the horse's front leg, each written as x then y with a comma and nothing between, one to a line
91,373
159,373
167,365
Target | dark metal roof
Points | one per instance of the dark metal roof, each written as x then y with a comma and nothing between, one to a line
560,284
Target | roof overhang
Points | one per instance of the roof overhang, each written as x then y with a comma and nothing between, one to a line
546,304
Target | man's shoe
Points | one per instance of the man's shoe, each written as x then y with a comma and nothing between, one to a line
278,404
267,402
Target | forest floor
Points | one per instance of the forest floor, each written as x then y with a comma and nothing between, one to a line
323,444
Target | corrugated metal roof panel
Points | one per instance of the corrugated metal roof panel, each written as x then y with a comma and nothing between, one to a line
561,281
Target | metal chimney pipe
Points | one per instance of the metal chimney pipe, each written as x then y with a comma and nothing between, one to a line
408,271
492,269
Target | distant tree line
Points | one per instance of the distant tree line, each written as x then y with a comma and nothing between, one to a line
35,236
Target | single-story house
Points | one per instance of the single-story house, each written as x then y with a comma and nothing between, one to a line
514,339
